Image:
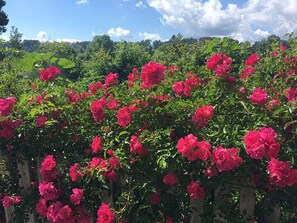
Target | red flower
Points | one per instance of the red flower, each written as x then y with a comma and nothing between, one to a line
77,196
261,143
155,198
178,87
7,201
65,214
170,179
252,59
40,121
49,73
195,190
132,77
96,144
202,115
7,132
259,96
280,173
226,159
75,174
247,72
48,190
105,215
6,105
152,73
169,220
186,146
47,170
124,116
48,163
53,212
291,93
41,207
273,104
137,147
97,109
112,104
203,150
220,64
95,87
114,162
191,149
111,79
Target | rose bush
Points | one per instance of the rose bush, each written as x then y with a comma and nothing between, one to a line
141,150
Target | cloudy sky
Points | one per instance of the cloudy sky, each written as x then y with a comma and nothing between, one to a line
134,20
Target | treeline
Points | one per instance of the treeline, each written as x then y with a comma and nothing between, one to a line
96,58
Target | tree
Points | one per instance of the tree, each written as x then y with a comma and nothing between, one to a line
3,17
15,38
101,41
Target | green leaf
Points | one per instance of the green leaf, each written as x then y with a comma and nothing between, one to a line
65,63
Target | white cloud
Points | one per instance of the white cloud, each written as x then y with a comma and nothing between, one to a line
255,20
5,38
151,36
118,32
140,5
81,2
68,40
42,36
93,33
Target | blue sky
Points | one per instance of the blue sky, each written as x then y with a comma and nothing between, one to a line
134,20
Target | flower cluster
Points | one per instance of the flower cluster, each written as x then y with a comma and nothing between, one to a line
49,205
281,174
49,73
185,87
226,159
259,96
8,127
6,105
191,149
137,147
261,143
202,115
152,73
170,179
8,201
97,109
220,64
105,214
96,144
195,190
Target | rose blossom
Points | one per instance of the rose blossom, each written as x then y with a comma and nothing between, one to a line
281,174
226,159
124,116
170,179
77,196
105,215
6,105
96,144
152,73
259,96
261,143
202,115
40,121
195,190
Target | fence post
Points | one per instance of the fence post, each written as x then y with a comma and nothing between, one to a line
247,201
197,210
219,200
25,181
273,217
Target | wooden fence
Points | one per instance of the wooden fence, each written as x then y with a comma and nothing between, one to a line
247,200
